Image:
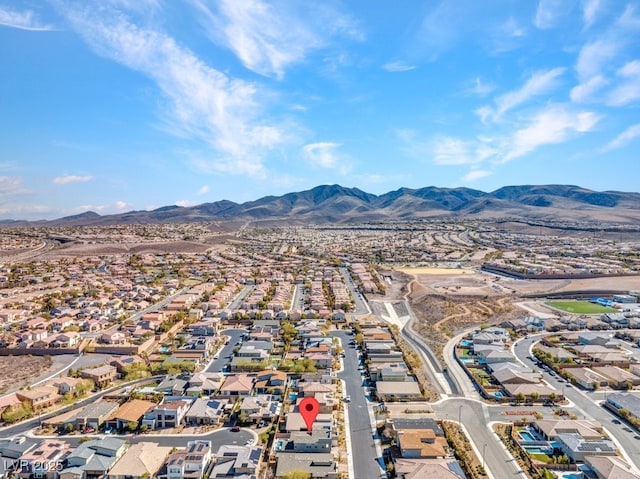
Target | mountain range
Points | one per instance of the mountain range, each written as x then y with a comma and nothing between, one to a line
341,205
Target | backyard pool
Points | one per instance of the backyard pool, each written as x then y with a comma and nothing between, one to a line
538,450
466,343
526,436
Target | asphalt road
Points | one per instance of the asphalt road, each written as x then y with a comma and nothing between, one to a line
360,302
235,304
216,365
363,449
475,417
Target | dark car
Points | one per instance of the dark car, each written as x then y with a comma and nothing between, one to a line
616,421
235,428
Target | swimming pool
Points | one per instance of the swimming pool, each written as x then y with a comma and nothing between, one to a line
465,343
538,450
526,436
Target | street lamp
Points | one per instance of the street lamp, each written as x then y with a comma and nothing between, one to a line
484,446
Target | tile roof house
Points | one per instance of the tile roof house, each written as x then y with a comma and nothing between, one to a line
419,468
236,385
257,408
39,397
271,382
394,390
550,428
206,411
530,390
205,383
610,467
166,414
320,465
143,459
236,461
93,458
131,411
43,460
416,443
578,448
101,376
188,463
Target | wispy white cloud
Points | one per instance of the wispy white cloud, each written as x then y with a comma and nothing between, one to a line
475,175
65,180
325,155
628,90
539,83
547,13
585,91
451,151
506,36
11,186
480,87
512,28
624,138
594,55
398,67
203,190
185,203
629,18
117,207
202,103
268,39
23,20
589,11
21,211
554,124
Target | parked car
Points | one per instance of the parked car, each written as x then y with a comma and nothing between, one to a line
235,428
347,399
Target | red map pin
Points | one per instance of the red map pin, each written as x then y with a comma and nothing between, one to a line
309,409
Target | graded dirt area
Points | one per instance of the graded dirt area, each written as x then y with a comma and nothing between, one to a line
446,301
18,371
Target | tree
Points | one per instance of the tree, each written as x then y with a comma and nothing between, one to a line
131,426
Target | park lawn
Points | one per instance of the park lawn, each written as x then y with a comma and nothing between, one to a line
581,307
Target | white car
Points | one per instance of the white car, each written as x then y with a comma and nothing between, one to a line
347,399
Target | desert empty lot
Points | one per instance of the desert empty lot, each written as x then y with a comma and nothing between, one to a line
19,371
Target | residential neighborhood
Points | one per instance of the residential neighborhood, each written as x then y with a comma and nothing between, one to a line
195,364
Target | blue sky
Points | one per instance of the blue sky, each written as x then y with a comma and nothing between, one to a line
116,105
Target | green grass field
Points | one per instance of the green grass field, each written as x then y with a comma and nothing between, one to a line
581,307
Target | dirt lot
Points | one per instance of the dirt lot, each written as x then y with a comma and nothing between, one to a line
18,371
448,301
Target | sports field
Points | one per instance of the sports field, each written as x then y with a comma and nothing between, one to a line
581,307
